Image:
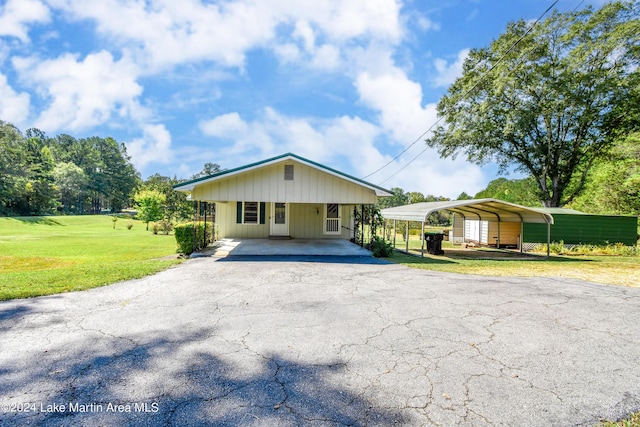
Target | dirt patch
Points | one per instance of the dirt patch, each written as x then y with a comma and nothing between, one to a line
480,253
12,264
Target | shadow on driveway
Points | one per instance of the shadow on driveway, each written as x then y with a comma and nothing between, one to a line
168,381
329,259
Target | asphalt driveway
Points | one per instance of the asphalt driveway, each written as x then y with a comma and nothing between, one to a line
279,342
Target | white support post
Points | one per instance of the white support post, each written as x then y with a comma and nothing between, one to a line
521,236
422,237
394,234
406,239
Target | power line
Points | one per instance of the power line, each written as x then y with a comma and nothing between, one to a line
464,95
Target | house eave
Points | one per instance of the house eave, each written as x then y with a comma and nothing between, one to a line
190,185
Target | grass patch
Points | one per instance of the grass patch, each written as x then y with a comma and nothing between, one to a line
632,421
49,255
613,270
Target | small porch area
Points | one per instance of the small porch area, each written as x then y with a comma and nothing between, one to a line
292,247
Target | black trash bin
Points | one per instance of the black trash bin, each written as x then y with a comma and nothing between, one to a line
434,243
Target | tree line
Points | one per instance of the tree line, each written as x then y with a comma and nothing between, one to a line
62,174
42,175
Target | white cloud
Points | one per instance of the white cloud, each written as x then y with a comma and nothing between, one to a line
346,143
399,103
273,133
16,15
430,174
14,107
377,18
327,57
426,24
82,93
225,126
166,33
288,53
304,31
250,139
153,147
448,73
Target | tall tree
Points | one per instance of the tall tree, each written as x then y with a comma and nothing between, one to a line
150,205
521,191
399,198
208,169
12,168
176,206
71,181
613,186
548,102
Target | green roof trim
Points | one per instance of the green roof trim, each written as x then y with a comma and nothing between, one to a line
275,159
561,211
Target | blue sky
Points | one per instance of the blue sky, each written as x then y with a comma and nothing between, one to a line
349,83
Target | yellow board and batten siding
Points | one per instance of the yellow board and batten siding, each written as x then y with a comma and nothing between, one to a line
267,184
307,195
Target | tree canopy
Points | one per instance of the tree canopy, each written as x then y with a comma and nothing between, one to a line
519,191
43,175
613,185
548,100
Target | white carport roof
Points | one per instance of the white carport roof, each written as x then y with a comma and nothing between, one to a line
483,209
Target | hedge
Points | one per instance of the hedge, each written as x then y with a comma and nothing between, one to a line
191,237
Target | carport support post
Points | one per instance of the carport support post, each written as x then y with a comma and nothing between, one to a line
362,225
521,236
394,234
548,239
406,239
422,237
204,235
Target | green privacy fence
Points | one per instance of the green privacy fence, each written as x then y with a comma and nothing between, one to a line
579,228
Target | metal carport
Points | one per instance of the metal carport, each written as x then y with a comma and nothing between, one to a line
481,209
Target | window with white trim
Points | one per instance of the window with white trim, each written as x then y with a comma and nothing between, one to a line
250,213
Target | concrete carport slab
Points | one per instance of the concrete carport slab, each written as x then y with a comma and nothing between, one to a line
289,247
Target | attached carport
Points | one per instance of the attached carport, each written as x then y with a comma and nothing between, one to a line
492,210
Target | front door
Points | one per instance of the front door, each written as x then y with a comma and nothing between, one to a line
279,219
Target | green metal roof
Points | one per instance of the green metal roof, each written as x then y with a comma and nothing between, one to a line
561,211
189,185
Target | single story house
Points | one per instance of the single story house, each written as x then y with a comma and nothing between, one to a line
284,196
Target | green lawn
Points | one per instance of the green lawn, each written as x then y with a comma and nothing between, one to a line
53,254
632,421
613,270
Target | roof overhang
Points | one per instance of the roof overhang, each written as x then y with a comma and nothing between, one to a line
190,185
482,209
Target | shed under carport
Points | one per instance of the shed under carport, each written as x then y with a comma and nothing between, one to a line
492,210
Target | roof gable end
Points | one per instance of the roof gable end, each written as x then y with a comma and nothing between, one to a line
190,185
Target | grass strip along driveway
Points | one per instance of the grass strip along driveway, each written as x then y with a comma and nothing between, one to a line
606,269
49,255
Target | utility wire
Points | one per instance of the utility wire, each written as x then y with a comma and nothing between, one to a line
464,95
